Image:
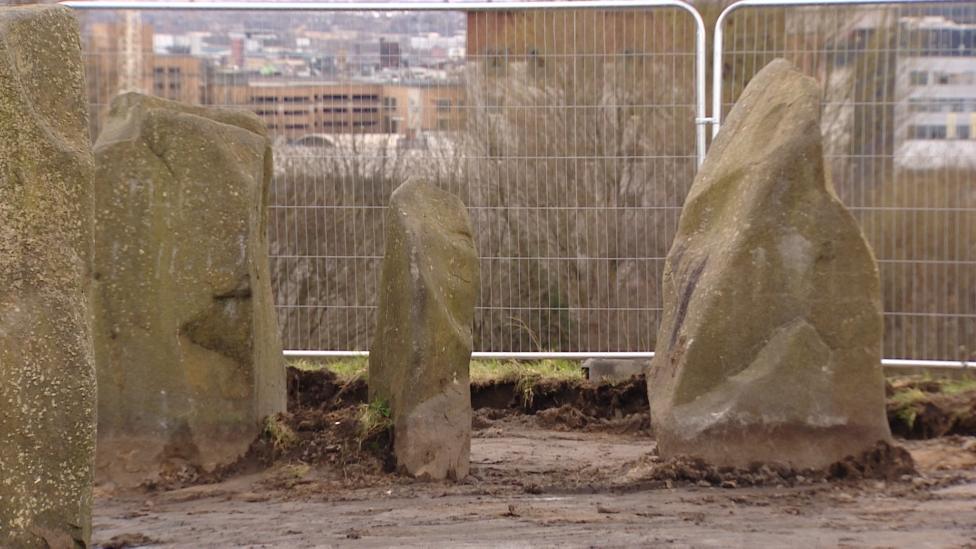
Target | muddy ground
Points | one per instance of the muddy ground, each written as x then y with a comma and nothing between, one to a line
564,464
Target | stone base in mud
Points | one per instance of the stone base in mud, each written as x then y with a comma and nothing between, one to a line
795,445
146,461
884,461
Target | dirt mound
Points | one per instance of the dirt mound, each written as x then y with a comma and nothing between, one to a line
336,440
486,417
883,462
599,400
565,418
920,408
322,389
917,407
569,418
324,428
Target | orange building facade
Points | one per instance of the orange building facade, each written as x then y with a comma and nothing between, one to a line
519,35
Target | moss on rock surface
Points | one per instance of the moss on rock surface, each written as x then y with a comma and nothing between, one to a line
419,360
770,345
47,375
186,341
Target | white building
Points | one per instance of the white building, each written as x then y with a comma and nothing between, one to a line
936,91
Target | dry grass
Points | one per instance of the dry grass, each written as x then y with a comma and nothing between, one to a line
923,231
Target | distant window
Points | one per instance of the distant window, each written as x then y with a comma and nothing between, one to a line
916,105
919,78
443,105
927,132
942,78
962,132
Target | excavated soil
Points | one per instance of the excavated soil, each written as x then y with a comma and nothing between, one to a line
567,464
322,389
920,408
595,400
323,430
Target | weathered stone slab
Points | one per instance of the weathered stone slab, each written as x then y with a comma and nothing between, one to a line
770,345
47,373
420,357
186,341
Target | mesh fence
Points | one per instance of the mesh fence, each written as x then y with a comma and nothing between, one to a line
900,131
568,133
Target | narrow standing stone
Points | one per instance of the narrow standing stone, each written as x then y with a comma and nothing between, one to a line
47,375
770,345
422,348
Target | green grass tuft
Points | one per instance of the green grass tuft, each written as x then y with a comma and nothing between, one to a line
374,418
957,386
905,400
279,433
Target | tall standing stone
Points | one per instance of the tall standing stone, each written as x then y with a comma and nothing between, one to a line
186,341
420,357
770,345
47,375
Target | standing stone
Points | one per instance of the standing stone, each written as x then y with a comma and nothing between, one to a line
770,345
186,342
420,356
47,375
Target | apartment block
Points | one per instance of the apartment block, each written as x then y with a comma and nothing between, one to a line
936,85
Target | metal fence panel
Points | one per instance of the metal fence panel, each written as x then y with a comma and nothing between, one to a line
900,138
572,131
